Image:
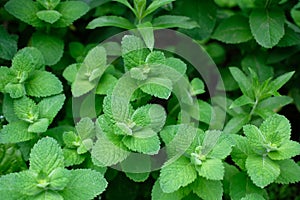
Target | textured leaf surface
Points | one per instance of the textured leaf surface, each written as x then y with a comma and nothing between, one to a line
8,44
158,194
208,189
212,169
110,21
173,21
289,172
50,106
28,59
15,132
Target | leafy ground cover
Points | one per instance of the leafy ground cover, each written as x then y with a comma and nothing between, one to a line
157,99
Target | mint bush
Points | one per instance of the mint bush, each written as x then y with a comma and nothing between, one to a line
95,104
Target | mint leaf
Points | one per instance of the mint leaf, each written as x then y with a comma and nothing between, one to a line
267,26
39,126
262,170
155,5
5,77
28,59
212,169
290,38
289,172
8,109
240,151
116,21
15,132
50,106
241,101
49,4
26,109
177,174
106,84
49,16
70,11
242,81
233,30
24,10
70,72
46,156
15,90
158,87
146,31
50,46
158,194
89,181
43,84
8,44
256,138
253,197
173,21
287,150
138,177
208,189
71,157
9,189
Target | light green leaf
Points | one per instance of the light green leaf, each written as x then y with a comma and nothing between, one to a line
28,59
287,150
138,177
15,90
197,86
49,4
59,178
26,109
295,13
210,140
274,103
276,129
253,196
24,10
208,189
116,21
242,81
8,109
71,11
50,46
240,151
280,81
241,185
71,71
127,4
89,181
151,115
155,5
106,84
241,101
222,148
173,21
290,38
267,26
146,31
233,30
235,124
50,106
15,132
106,152
289,172
262,170
178,174
158,194
8,45
143,141
46,155
158,87
212,169
47,195
49,16
71,139
71,157
6,75
43,84
256,138
85,128
39,126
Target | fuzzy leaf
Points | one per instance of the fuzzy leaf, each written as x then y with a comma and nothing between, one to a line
49,4
208,189
233,30
242,81
15,132
158,87
116,21
253,196
89,181
39,126
287,150
289,172
15,90
212,169
43,84
85,128
50,46
262,170
26,109
46,155
50,106
177,174
8,45
71,157
28,59
158,194
267,26
49,16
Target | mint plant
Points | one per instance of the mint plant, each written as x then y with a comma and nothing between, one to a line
208,110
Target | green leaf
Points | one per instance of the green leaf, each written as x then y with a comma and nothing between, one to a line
70,72
262,170
295,13
241,185
289,172
49,4
43,84
146,31
241,101
158,194
152,116
155,5
197,86
49,16
143,141
15,90
253,196
212,169
39,126
256,138
8,109
116,21
240,151
24,10
138,177
8,44
48,195
26,109
158,87
46,155
89,181
242,81
50,106
290,38
208,189
71,157
28,59
274,103
59,178
106,152
6,75
173,21
280,81
222,148
15,132
267,26
235,124
50,46
178,174
233,30
287,150
276,129
85,128
106,84
70,11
